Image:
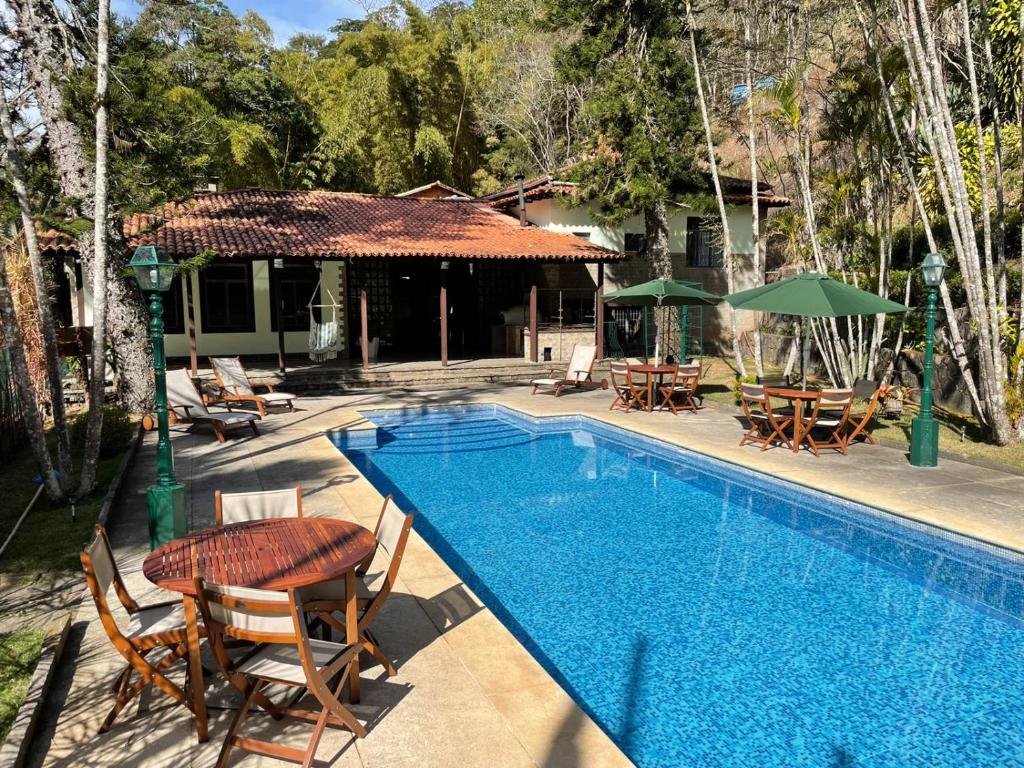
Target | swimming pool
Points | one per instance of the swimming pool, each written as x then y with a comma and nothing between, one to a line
705,615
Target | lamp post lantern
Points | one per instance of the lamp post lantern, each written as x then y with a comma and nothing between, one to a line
924,430
154,272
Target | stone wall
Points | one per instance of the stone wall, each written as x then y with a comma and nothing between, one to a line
560,343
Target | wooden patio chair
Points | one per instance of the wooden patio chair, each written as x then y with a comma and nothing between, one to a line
235,387
188,406
256,505
830,415
766,426
578,373
375,578
858,424
682,388
150,628
285,655
627,394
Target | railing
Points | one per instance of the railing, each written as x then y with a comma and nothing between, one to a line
12,422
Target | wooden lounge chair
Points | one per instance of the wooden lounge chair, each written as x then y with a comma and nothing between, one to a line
256,505
858,424
627,394
285,656
682,388
766,425
830,415
150,628
235,387
188,406
374,581
577,374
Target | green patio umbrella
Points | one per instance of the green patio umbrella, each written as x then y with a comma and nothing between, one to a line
660,293
811,294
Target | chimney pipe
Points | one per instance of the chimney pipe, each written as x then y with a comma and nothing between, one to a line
522,200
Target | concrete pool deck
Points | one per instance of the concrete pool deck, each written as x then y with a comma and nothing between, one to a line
467,693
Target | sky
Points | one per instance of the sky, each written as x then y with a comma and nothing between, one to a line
285,17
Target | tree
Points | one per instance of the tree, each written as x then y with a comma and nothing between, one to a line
63,485
641,103
50,67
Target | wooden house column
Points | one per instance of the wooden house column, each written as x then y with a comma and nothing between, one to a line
363,330
444,314
193,350
533,322
275,275
599,311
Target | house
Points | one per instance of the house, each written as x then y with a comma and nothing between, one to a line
694,244
426,275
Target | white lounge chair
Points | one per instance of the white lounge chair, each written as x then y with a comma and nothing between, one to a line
186,402
235,387
578,373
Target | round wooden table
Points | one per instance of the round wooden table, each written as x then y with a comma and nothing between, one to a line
275,554
798,397
651,371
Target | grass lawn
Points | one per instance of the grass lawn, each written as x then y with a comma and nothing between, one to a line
48,541
19,652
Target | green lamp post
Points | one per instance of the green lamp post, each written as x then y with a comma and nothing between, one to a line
154,272
924,430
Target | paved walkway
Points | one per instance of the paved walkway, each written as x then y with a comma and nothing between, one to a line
467,694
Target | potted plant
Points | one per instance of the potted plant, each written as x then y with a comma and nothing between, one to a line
893,400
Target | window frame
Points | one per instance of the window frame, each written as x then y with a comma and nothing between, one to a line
174,321
249,325
301,323
698,251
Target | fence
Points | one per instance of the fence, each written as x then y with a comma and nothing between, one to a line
12,422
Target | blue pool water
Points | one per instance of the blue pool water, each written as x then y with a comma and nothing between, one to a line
708,616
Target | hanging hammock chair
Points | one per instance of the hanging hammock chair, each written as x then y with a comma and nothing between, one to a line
324,336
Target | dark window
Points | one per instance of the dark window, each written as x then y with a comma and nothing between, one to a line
702,248
174,307
634,243
298,281
225,294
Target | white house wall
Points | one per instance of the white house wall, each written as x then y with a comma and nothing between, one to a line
263,341
554,215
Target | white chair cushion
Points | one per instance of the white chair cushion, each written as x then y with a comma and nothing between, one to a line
281,662
367,585
277,397
546,382
824,422
160,618
234,417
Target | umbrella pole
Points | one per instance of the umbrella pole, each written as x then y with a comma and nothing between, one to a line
805,355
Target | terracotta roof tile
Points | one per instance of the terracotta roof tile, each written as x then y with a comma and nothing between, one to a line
255,223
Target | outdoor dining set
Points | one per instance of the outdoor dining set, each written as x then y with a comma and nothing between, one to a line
283,600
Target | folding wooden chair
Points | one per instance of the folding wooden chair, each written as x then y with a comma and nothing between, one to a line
766,424
153,627
256,505
830,415
235,387
858,424
683,388
375,579
627,394
285,655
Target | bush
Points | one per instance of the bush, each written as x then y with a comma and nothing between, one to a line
118,431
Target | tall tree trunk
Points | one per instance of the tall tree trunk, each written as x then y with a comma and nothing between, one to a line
656,241
755,207
97,387
34,427
45,65
727,255
46,325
